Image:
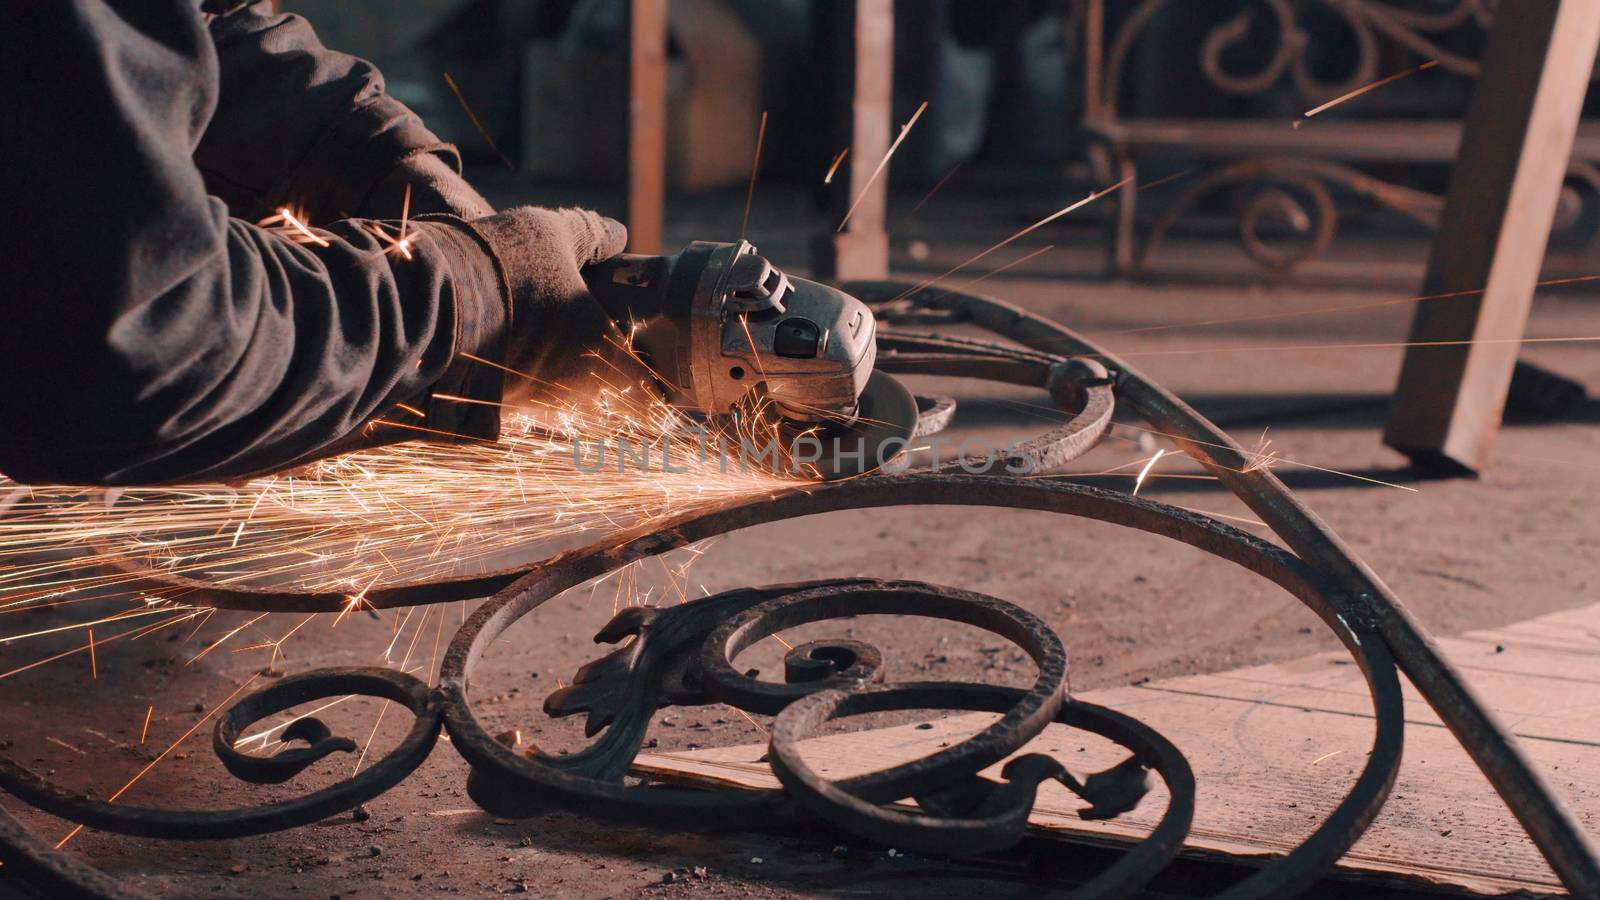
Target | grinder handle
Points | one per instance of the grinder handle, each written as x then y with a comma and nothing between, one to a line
630,286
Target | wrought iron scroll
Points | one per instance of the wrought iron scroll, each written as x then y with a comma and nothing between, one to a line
685,655
1293,181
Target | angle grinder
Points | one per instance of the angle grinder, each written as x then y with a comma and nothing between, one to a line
727,334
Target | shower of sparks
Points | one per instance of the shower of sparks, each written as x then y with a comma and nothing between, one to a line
755,167
372,518
834,166
882,163
1343,98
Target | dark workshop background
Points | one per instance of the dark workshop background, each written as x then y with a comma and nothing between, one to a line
1009,85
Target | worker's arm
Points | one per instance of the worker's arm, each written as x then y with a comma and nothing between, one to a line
299,125
146,337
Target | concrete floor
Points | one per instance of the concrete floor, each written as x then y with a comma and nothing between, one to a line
1463,554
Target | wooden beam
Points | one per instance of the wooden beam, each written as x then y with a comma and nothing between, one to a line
647,124
1492,235
863,35
1094,26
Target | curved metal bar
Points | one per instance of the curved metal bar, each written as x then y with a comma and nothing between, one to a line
539,783
998,821
1079,387
52,872
383,774
1021,721
1557,833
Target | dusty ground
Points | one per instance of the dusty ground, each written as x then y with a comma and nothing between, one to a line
1464,554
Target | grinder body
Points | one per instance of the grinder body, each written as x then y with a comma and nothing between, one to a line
723,330
717,321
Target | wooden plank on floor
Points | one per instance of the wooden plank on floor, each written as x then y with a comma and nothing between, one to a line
1271,746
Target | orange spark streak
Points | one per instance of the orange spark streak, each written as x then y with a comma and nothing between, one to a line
993,272
130,614
936,188
482,132
1214,514
1349,307
143,732
862,194
66,653
262,735
1024,232
404,243
421,624
1377,345
755,165
1362,90
1273,457
401,244
452,398
94,665
225,638
448,434
405,212
300,226
1178,438
751,719
1139,482
744,322
163,755
834,166
355,601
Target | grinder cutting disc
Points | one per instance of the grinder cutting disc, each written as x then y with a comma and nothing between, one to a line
885,420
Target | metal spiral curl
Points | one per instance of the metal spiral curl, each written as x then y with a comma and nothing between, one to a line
683,655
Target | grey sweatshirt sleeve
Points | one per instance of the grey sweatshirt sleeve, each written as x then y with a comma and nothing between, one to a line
146,337
299,125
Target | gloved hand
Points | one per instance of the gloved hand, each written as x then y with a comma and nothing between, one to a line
559,336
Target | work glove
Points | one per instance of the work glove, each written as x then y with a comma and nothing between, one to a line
559,336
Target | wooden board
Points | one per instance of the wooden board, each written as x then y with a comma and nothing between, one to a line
1273,747
1493,232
